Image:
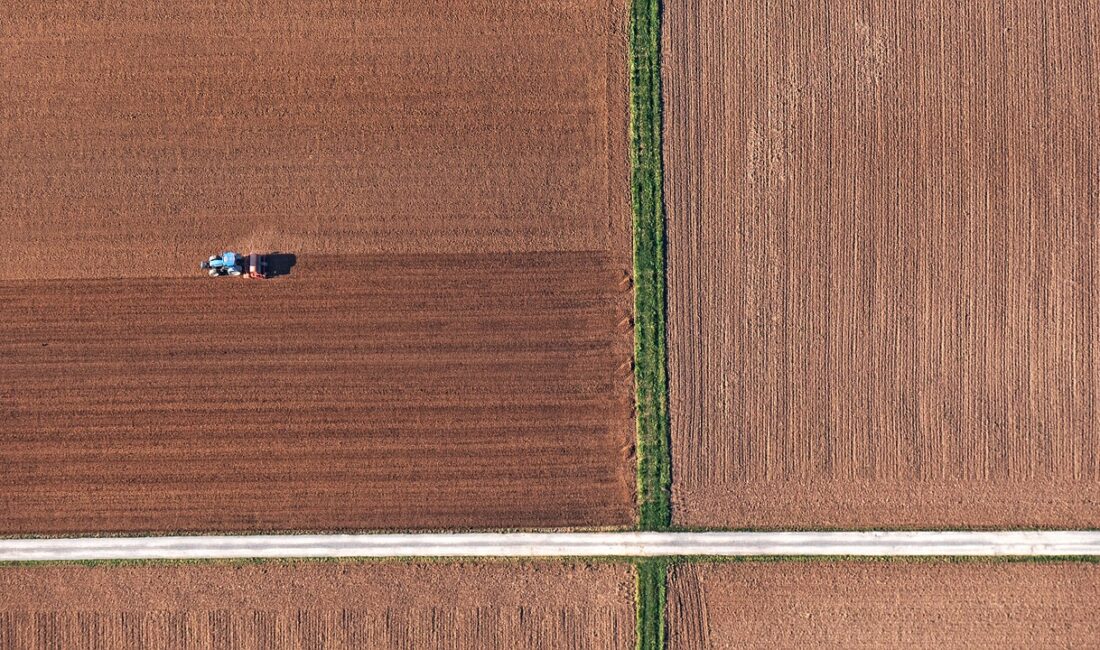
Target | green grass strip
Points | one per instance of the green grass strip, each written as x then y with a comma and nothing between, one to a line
650,372
650,603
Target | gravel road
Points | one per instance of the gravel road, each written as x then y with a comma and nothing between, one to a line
629,544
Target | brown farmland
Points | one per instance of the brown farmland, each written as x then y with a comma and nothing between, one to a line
452,347
900,604
144,136
884,264
315,605
388,391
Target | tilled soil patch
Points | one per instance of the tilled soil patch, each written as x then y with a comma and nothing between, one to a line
370,392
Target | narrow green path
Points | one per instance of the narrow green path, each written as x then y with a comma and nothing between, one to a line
651,377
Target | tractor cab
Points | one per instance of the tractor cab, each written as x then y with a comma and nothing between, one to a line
227,263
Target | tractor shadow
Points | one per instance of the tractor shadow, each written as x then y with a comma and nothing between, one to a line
279,264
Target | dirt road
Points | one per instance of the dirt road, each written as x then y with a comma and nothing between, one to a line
548,545
884,263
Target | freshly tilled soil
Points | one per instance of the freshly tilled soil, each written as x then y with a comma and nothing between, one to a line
417,391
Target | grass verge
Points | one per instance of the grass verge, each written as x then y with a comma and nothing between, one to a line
650,372
651,596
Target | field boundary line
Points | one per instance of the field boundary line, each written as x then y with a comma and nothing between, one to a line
559,545
650,299
652,603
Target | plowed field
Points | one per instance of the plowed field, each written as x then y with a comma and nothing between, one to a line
391,391
452,347
905,604
884,265
317,605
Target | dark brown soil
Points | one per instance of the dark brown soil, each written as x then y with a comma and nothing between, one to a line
315,605
366,392
884,263
902,604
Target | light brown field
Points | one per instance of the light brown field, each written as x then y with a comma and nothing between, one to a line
902,604
452,348
318,605
140,137
884,264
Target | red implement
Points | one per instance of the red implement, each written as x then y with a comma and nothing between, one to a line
257,266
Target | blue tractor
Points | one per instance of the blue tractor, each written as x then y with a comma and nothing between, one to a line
253,266
227,263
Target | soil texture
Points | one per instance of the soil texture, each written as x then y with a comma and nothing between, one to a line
418,391
884,263
137,135
448,342
318,605
876,604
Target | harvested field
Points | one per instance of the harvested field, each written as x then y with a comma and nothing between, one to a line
904,604
314,605
390,391
884,266
452,347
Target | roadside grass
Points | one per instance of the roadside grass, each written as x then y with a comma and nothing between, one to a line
650,372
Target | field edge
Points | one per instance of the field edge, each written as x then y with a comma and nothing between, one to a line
651,372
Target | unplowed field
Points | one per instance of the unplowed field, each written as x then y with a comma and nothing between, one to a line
317,605
904,604
140,137
884,263
452,347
